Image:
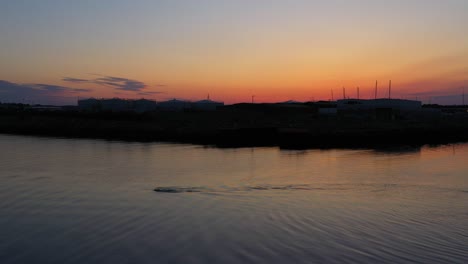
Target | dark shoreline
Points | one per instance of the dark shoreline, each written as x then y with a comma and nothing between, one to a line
221,129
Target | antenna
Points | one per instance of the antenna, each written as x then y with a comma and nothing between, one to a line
358,92
208,97
344,93
333,99
390,89
376,84
253,96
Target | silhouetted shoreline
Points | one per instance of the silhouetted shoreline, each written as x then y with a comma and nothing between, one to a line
291,130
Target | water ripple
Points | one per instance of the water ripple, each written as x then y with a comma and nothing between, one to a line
298,187
257,206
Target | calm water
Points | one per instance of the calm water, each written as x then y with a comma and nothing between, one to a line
91,201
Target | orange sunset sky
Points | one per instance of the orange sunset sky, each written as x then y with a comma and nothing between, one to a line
53,52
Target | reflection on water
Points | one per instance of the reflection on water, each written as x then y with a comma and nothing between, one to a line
89,201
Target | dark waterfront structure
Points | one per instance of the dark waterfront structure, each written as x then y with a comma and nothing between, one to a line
382,109
117,105
345,123
144,105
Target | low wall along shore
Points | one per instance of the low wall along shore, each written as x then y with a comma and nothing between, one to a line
240,129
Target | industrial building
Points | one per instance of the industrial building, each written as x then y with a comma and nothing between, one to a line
384,109
206,105
144,105
174,105
117,105
395,104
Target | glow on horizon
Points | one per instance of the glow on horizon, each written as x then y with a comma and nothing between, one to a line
275,50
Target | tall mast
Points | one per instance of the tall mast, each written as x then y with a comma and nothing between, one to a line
390,89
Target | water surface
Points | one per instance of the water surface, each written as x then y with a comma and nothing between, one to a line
93,201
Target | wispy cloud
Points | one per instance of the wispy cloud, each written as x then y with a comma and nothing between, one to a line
435,92
36,89
119,83
75,80
79,90
37,92
440,92
54,88
150,93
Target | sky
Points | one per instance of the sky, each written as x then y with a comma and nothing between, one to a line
57,51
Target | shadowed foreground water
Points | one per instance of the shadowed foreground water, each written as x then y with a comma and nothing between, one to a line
91,201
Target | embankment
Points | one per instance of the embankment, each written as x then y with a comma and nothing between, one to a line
238,130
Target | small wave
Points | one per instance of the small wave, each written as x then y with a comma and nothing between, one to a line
12,176
235,189
179,189
280,188
40,178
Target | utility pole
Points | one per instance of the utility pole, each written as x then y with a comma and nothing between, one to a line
358,92
344,93
253,96
332,98
376,83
